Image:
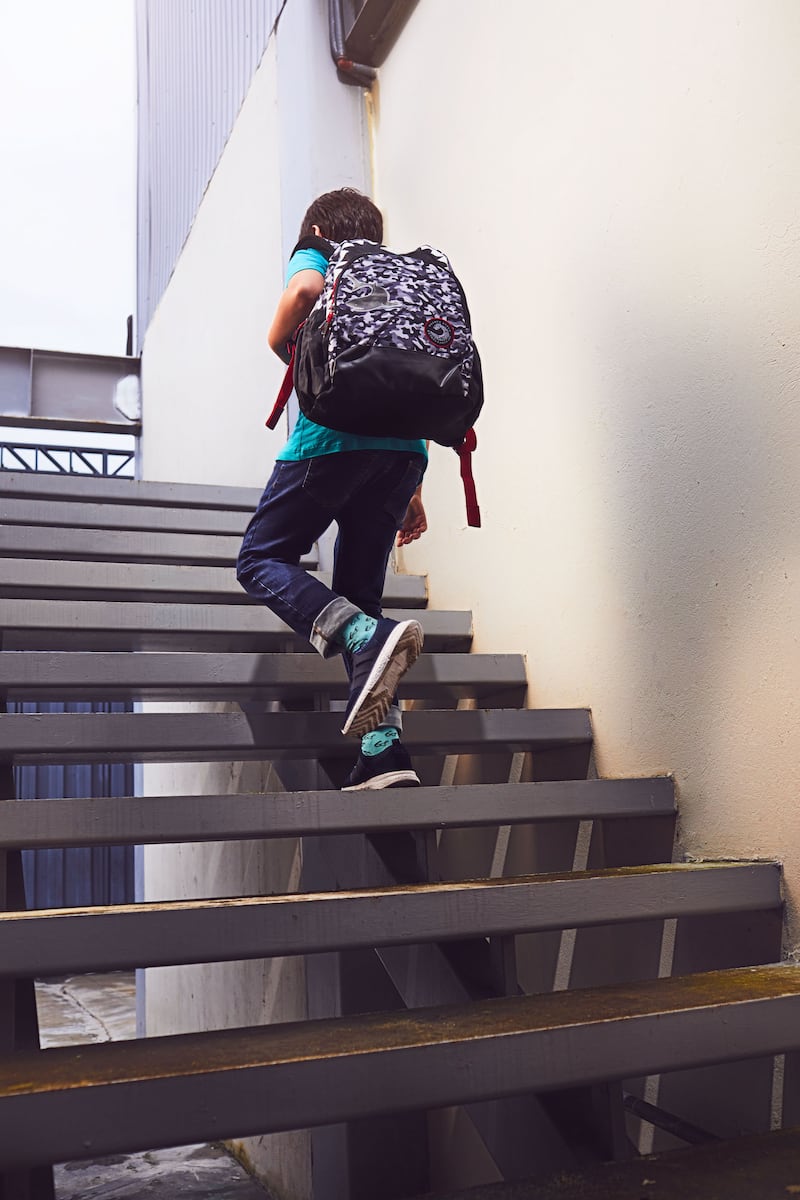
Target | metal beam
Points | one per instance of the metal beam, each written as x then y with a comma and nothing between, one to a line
155,819
95,625
128,491
212,737
59,941
117,1097
171,582
53,675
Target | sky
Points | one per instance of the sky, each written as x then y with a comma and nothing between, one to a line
67,174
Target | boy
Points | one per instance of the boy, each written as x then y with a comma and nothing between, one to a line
372,488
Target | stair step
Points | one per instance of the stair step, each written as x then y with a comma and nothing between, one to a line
128,625
139,820
759,1167
77,515
52,675
54,580
67,1103
111,545
211,737
100,490
60,941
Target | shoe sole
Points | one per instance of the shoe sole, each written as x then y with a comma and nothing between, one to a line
400,650
389,779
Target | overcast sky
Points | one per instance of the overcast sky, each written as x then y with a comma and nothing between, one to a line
67,174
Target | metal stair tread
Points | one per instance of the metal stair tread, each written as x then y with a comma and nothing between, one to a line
158,819
61,941
756,1167
122,625
76,514
128,491
230,1083
209,737
98,545
165,582
53,675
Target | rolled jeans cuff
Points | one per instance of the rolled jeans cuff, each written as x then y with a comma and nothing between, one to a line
328,623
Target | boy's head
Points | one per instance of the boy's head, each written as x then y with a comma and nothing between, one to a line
343,215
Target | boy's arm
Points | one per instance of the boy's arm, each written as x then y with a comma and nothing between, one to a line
294,306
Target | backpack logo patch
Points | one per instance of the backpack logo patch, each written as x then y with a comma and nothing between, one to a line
367,296
440,332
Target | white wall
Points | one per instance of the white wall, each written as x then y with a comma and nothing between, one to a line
618,186
208,381
208,376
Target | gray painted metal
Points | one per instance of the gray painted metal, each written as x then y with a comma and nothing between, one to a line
125,1096
129,491
66,460
43,675
67,389
56,942
196,59
98,545
74,514
152,819
96,625
211,737
167,582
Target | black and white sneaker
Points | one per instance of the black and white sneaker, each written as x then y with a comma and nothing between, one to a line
390,769
377,669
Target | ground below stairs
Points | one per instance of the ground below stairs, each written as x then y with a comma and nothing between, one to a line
99,1008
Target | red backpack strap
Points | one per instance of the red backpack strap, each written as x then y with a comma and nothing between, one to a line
284,393
464,452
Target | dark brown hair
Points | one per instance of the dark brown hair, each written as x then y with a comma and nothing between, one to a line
342,215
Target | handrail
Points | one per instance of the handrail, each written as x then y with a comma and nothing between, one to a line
78,460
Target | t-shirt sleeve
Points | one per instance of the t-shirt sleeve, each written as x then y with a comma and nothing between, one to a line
306,260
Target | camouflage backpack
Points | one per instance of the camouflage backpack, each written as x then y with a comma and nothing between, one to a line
387,351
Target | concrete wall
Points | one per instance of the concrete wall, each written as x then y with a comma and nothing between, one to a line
618,188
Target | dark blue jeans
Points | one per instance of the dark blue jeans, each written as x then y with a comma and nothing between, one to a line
366,492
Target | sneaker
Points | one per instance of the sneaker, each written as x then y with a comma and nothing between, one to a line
389,769
377,670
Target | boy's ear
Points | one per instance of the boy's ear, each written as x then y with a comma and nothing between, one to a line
317,230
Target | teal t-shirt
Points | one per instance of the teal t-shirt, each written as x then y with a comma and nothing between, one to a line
309,440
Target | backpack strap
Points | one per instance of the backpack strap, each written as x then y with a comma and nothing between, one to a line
284,393
312,242
464,452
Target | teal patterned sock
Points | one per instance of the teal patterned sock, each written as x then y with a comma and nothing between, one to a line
379,740
357,632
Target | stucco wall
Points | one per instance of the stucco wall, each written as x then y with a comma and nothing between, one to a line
618,187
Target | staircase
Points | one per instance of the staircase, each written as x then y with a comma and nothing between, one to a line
507,951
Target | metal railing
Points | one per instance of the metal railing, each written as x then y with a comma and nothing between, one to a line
67,460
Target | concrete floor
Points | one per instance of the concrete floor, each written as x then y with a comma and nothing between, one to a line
99,1008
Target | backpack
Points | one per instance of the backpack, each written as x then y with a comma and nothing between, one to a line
387,351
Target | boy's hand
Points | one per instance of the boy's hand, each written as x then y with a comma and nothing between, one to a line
414,523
